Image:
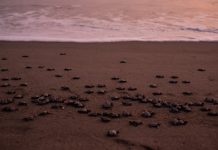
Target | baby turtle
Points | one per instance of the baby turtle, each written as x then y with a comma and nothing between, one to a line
57,106
105,119
101,85
204,108
159,76
67,69
89,92
154,125
11,92
5,79
212,113
112,133
5,85
18,96
211,100
120,88
9,109
89,86
101,92
147,114
83,99
84,111
132,89
157,93
201,69
126,103
28,118
41,67
178,122
4,69
28,67
25,56
115,98
24,84
65,88
115,78
94,114
22,103
16,78
6,101
122,81
153,86
135,123
50,69
126,114
76,78
123,61
62,54
186,108
173,82
107,105
174,77
58,76
187,93
186,81
44,113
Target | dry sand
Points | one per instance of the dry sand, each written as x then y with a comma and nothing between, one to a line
96,63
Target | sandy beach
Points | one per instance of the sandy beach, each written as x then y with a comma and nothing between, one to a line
69,95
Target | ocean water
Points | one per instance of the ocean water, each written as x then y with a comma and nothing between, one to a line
109,20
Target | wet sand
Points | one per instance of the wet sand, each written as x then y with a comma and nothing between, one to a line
62,70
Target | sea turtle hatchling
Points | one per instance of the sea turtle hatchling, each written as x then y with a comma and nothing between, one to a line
9,109
154,125
147,114
135,123
107,105
112,133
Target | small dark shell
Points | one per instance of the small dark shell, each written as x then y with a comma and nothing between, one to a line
201,70
135,123
58,76
67,69
44,113
186,82
147,114
105,119
112,133
127,103
174,77
154,125
212,113
22,103
28,118
101,85
173,81
187,93
153,86
157,93
132,89
159,76
114,98
115,78
65,88
9,109
178,122
84,111
107,105
89,86
15,78
89,92
126,114
123,61
122,81
76,78
18,96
